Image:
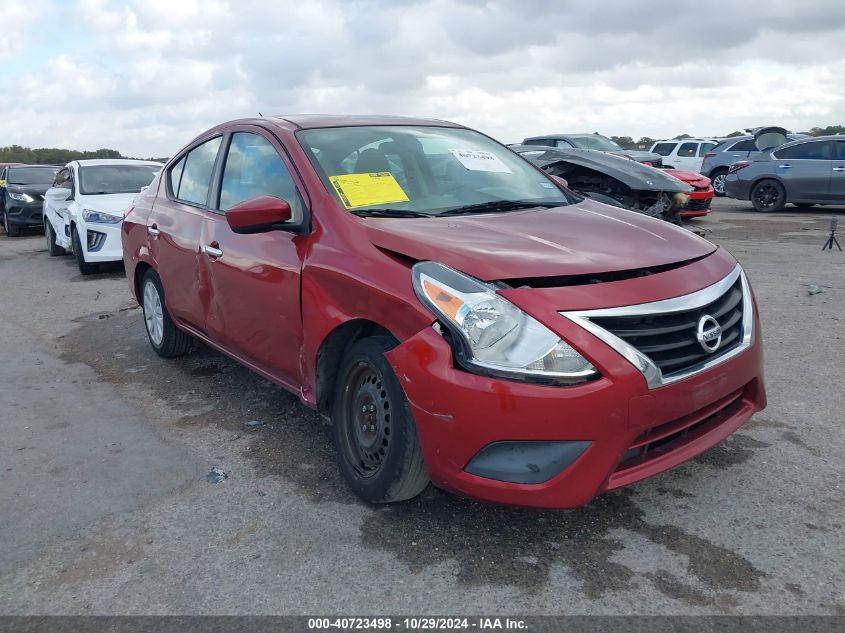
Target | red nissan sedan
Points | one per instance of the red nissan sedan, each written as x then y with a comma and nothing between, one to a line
461,318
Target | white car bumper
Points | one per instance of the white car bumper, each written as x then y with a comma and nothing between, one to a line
101,242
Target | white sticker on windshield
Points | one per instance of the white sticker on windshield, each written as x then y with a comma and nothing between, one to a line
476,160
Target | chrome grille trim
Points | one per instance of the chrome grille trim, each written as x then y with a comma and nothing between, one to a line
652,373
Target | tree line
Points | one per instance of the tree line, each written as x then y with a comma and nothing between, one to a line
54,155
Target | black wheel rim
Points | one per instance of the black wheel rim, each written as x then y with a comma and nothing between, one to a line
719,183
766,195
366,427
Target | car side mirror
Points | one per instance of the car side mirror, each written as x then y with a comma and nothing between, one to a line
258,214
561,181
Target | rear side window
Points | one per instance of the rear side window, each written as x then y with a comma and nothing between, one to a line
840,150
744,146
819,150
705,147
664,149
561,143
687,149
254,168
196,173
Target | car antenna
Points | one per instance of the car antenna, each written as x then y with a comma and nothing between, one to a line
261,115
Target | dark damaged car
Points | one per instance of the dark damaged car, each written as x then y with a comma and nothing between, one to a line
22,199
613,180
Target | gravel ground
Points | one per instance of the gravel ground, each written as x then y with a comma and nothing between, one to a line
105,507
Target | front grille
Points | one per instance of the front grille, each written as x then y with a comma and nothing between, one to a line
668,437
698,205
670,340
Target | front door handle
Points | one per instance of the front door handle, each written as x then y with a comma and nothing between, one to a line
839,169
153,230
784,166
212,251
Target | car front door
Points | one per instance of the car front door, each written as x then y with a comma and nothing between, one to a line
174,231
837,172
805,170
686,156
56,201
254,308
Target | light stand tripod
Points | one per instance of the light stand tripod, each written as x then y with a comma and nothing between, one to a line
831,240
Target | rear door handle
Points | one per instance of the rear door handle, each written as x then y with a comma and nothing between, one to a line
211,250
839,169
153,230
784,166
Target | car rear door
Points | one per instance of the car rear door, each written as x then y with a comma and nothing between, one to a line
805,170
837,172
254,304
174,231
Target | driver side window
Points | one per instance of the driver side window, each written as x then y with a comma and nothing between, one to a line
254,168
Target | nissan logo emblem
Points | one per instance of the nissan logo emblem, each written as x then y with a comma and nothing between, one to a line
709,333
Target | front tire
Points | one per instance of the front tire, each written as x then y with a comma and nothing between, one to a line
84,267
166,339
768,196
717,179
378,451
12,230
50,235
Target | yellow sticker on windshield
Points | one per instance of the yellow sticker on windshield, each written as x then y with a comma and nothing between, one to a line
363,190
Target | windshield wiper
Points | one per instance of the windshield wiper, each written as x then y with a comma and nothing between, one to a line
499,205
390,213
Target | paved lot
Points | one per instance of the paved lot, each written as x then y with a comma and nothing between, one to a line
105,506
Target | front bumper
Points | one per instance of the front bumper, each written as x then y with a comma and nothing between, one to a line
633,432
699,204
28,214
101,242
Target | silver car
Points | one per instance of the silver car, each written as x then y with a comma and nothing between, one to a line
718,160
805,172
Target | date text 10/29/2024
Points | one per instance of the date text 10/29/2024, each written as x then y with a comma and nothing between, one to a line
417,624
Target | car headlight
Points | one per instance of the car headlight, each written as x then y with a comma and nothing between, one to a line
22,197
98,217
491,335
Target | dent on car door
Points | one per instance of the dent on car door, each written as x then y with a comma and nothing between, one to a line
174,230
254,308
805,170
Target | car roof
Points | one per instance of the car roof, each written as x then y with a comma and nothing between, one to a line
40,165
695,139
309,121
90,162
562,136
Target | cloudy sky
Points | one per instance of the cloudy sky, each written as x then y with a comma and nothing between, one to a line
144,76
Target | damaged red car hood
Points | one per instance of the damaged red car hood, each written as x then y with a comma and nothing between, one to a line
578,239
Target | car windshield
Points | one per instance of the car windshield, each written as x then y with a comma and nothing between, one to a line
416,171
32,175
595,141
103,179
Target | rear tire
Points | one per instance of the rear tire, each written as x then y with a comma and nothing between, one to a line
166,339
378,451
54,249
12,230
717,179
84,267
768,196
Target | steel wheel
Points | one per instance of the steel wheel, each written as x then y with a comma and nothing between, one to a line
718,183
366,410
47,233
153,314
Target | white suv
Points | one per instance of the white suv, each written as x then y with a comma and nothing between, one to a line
684,153
83,210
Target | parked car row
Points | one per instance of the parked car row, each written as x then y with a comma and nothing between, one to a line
459,315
